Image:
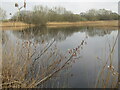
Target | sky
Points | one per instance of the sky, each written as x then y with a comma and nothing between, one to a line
61,0
76,6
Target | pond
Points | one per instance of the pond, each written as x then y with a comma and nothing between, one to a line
83,72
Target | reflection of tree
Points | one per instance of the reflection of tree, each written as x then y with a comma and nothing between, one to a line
44,33
91,31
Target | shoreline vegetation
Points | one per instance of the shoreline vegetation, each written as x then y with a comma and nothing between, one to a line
21,25
57,17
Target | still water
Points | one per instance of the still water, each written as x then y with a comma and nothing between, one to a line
84,72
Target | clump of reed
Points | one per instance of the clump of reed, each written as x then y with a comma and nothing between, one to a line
108,75
29,63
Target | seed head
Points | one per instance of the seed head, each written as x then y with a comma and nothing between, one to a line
16,5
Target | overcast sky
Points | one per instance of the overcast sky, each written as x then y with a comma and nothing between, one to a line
76,6
61,0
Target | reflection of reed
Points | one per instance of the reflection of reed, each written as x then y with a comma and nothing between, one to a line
32,63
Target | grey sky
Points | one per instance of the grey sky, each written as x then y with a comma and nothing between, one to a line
76,6
61,0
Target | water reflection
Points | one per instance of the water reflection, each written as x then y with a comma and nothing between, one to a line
59,34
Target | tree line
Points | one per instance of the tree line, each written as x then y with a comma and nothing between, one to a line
101,14
41,15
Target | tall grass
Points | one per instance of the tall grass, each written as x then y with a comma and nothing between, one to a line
108,76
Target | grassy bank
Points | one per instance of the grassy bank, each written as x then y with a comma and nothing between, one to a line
20,25
113,23
14,25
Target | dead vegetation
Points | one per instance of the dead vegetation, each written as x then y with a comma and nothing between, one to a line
30,64
20,25
108,75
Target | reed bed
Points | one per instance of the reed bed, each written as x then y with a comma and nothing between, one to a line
21,25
